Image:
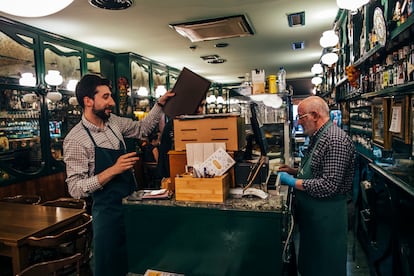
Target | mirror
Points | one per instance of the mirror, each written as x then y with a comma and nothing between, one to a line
16,56
159,76
172,79
93,64
140,75
66,60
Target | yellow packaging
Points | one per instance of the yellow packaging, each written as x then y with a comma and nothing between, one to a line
271,80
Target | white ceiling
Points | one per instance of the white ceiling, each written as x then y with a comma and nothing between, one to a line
144,29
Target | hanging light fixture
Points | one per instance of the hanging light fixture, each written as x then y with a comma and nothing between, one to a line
142,91
54,79
317,69
329,39
27,79
316,80
329,58
352,5
161,90
33,8
73,101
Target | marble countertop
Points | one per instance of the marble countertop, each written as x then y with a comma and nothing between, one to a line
275,202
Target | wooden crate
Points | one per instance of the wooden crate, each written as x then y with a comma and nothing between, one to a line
230,130
214,190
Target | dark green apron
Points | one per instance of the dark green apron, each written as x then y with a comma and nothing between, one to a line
323,228
109,243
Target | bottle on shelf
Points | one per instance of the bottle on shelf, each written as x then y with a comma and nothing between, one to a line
281,80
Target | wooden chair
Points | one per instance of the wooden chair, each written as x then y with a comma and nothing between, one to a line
24,199
67,202
54,267
75,238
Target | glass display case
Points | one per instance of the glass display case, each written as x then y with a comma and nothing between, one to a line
20,147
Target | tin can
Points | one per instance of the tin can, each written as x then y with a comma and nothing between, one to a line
271,80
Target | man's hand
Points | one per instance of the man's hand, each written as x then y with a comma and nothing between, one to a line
289,170
287,179
125,162
164,98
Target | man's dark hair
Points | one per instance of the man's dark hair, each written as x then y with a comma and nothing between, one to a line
86,87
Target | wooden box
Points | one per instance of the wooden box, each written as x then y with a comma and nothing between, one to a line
230,129
178,161
214,190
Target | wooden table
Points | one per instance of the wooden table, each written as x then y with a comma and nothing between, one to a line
20,221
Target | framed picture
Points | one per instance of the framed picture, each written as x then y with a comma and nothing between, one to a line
380,122
397,118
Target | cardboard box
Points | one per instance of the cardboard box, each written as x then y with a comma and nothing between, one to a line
214,190
230,130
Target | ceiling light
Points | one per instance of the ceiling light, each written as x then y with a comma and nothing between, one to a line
32,8
317,69
216,28
351,5
316,80
329,39
329,58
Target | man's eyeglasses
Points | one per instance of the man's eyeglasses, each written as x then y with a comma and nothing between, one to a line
299,117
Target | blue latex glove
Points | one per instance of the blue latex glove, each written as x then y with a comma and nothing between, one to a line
287,179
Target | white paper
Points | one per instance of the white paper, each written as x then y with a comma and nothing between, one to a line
198,152
396,119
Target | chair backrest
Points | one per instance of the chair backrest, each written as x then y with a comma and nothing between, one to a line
67,202
75,238
54,267
25,199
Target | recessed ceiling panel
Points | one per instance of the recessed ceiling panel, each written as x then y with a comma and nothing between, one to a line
216,28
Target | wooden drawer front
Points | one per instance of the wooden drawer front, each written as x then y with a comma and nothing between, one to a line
208,130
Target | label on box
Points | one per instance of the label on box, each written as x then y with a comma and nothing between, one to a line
217,163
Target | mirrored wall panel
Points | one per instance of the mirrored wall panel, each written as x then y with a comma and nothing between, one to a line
16,57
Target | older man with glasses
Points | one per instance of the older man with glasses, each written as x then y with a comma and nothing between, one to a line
321,186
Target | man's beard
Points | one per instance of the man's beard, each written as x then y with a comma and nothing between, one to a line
101,114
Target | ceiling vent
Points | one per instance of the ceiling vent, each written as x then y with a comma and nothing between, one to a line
296,19
213,59
112,4
298,45
216,28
